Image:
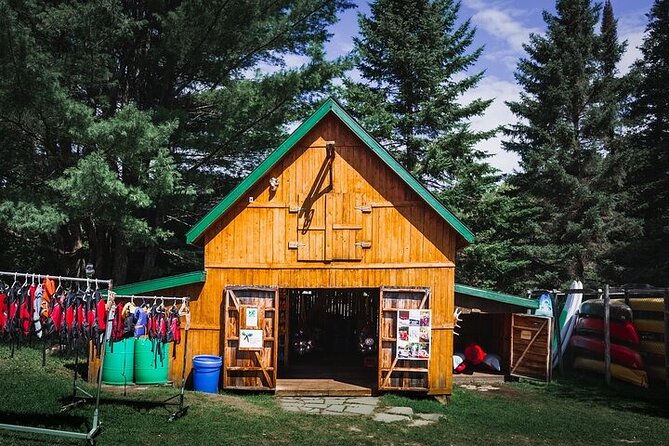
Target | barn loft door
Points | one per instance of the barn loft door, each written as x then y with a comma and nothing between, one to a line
531,347
311,228
251,328
400,364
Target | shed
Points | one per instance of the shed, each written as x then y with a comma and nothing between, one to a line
502,325
327,244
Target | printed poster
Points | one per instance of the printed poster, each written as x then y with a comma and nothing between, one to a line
250,339
413,334
251,316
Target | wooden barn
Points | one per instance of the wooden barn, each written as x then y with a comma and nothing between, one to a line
328,263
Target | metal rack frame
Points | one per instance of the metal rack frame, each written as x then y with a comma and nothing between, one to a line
181,409
96,425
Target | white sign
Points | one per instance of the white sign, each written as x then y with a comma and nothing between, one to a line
250,339
251,316
414,334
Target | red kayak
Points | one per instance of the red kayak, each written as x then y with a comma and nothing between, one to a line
623,331
619,353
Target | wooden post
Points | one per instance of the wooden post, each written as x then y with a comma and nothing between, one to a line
666,334
607,336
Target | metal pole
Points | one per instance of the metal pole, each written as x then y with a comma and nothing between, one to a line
108,329
607,336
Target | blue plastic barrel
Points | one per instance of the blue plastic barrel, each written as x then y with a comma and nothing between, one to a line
206,372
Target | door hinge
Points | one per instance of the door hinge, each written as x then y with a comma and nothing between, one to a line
294,209
364,245
365,209
295,245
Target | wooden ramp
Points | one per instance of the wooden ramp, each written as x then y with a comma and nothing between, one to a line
478,378
319,387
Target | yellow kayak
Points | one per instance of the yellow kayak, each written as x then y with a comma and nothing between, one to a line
636,377
644,303
649,325
654,347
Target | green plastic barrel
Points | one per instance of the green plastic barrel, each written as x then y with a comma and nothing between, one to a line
151,367
119,362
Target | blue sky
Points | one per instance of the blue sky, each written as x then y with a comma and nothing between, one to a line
502,27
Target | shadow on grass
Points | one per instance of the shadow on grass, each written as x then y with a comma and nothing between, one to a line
620,396
60,421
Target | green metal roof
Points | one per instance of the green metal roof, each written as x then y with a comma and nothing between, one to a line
499,297
161,283
330,105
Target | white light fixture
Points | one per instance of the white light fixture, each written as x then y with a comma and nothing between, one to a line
273,184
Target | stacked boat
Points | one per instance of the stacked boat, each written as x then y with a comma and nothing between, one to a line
649,323
588,344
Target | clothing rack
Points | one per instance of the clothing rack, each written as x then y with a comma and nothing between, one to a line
89,436
181,409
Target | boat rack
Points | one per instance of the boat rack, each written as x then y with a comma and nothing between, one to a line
89,436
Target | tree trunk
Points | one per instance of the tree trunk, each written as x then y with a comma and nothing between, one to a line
120,267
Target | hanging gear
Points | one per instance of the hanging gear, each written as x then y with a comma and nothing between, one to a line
37,309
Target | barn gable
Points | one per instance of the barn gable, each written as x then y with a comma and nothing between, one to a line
329,108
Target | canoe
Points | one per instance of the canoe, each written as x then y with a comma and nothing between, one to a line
617,310
654,347
646,303
622,331
649,325
620,354
636,377
567,321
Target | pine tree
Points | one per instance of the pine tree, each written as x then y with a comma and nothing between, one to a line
413,58
645,258
568,115
112,114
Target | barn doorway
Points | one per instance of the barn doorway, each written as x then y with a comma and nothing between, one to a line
328,340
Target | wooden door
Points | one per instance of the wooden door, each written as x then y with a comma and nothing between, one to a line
531,347
351,226
395,372
251,330
311,228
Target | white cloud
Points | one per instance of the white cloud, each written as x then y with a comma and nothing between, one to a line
502,22
497,114
631,27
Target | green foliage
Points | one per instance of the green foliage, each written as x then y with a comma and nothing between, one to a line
412,57
642,256
566,135
121,123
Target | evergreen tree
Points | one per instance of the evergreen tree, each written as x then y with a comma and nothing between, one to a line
114,114
645,258
568,115
413,58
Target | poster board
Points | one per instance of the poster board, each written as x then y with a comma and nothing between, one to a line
414,332
250,316
250,339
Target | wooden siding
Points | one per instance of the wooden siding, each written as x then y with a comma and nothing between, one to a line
348,199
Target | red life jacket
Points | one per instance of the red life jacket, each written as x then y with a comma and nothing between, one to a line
57,315
3,312
117,324
101,314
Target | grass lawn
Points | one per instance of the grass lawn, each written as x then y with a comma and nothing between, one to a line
565,412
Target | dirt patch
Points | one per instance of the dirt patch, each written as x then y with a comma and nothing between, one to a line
229,400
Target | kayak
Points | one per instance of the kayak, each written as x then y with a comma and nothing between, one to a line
654,347
617,310
636,377
566,321
649,325
622,331
645,303
619,353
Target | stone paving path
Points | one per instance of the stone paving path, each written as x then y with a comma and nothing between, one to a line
351,406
